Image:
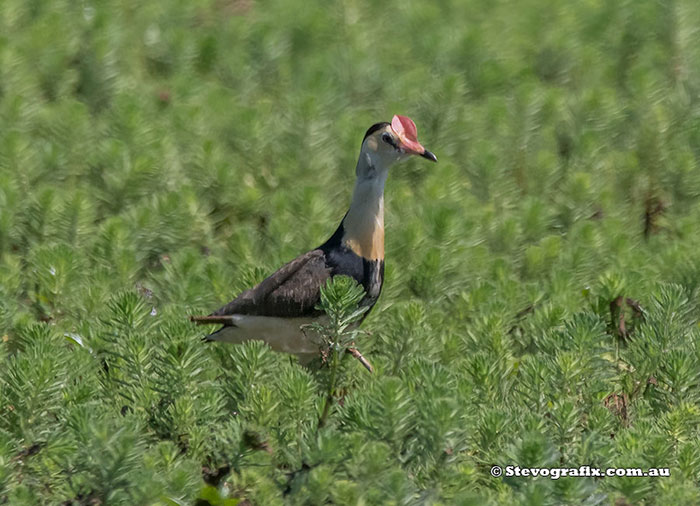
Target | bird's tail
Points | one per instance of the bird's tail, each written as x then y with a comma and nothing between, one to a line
212,319
226,321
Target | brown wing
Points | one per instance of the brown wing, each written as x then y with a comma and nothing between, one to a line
293,290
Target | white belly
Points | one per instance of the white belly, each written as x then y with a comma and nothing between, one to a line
282,334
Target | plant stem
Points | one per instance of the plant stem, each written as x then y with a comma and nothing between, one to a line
331,387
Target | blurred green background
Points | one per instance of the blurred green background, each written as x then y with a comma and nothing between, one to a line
157,158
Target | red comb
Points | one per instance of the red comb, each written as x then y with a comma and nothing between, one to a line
405,128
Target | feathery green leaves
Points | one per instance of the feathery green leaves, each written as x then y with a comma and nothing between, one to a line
542,280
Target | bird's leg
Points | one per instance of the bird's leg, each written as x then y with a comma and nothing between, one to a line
356,353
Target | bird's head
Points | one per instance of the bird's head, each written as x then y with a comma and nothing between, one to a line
387,143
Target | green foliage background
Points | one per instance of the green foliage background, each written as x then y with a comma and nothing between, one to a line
158,157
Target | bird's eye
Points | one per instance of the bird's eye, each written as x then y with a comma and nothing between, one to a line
386,137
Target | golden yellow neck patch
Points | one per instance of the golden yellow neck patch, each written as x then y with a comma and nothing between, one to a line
367,243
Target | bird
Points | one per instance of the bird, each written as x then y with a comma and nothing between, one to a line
278,309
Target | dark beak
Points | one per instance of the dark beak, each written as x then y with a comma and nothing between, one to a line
427,154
